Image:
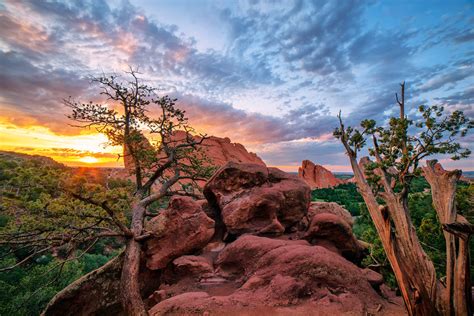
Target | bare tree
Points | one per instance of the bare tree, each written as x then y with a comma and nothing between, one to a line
75,214
157,169
384,185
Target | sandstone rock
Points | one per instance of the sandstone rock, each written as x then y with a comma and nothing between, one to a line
243,255
218,150
281,277
258,200
222,150
157,297
192,266
316,208
374,278
181,229
317,176
329,228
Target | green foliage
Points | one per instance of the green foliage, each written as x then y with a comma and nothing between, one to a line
345,195
465,201
465,207
26,290
349,197
34,200
38,198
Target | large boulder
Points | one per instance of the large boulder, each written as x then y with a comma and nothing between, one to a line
192,266
280,277
333,232
255,199
332,208
329,225
317,176
181,229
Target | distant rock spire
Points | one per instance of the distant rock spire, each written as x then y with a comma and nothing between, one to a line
317,176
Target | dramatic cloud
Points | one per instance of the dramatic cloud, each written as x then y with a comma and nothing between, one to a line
281,73
254,128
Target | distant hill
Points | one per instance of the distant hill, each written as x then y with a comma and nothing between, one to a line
15,156
468,174
343,175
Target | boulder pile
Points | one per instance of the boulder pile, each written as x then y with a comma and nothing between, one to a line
257,245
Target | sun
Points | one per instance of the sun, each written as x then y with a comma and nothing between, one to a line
89,159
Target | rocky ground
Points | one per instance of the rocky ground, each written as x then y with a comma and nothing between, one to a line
255,246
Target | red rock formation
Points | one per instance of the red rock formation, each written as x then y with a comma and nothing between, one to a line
317,176
263,276
256,199
222,150
333,232
305,270
178,230
219,151
332,208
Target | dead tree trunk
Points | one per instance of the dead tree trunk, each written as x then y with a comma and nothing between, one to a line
457,231
422,292
413,270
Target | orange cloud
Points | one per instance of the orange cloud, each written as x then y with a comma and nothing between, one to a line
70,150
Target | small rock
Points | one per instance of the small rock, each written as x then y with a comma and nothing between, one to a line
375,279
157,297
192,266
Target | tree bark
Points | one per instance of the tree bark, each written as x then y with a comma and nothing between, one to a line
462,287
413,270
130,288
443,191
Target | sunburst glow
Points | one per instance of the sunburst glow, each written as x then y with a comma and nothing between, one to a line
89,159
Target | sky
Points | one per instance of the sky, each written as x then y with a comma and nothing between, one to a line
271,75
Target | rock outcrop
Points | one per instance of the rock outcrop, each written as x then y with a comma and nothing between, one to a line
255,199
316,208
221,151
259,275
178,230
210,257
218,150
333,232
316,176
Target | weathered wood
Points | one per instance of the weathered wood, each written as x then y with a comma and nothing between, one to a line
415,273
413,270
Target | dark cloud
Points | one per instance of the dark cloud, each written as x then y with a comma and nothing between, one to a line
468,36
37,92
310,36
305,58
463,100
106,30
